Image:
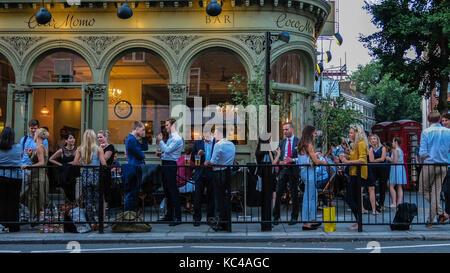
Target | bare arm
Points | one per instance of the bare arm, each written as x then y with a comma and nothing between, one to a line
313,157
101,156
76,161
56,155
371,156
383,155
40,156
277,157
107,155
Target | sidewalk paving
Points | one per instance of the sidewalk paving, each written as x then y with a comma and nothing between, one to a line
243,233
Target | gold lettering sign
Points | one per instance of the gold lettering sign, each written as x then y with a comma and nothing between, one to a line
220,19
299,24
71,22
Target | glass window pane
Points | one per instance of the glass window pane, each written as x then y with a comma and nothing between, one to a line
289,69
209,77
138,90
6,77
62,66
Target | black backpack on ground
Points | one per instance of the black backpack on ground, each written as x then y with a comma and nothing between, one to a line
404,216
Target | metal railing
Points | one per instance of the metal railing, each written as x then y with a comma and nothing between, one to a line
62,199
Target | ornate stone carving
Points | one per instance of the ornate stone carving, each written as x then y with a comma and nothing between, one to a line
98,43
255,42
98,91
21,43
177,91
177,42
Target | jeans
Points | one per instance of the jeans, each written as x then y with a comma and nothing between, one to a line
309,200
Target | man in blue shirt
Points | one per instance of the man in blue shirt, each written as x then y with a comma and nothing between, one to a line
203,177
171,151
434,148
27,142
135,156
223,155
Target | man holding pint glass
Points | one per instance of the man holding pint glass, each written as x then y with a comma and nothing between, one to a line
203,177
171,151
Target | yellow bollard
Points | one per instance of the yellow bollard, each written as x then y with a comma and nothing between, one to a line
329,214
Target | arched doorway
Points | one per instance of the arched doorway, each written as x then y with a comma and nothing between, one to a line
138,90
60,101
6,77
209,77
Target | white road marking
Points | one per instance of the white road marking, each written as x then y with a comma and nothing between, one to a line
269,248
108,249
10,251
411,246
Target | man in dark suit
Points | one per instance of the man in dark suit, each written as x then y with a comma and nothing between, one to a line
203,177
288,154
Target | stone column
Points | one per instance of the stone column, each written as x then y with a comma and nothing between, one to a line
98,107
22,108
177,95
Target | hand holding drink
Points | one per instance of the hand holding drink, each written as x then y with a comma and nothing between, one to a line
201,153
158,153
197,160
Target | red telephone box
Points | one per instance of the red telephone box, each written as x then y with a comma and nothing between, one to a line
410,132
380,129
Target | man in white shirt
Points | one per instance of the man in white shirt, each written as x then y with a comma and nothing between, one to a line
171,151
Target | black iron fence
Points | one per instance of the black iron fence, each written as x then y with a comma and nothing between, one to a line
80,199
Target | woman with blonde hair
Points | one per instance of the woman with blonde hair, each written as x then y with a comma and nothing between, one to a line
90,154
358,155
36,193
377,154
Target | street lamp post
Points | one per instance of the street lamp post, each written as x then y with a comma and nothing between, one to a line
266,200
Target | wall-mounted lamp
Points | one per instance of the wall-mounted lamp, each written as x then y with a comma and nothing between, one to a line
125,11
213,8
43,16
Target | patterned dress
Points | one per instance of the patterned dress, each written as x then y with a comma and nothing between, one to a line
90,186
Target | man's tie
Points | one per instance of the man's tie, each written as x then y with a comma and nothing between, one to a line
289,154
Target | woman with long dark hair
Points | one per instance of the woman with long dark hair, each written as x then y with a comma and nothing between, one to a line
10,179
307,156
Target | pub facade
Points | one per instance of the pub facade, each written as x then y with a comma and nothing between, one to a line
87,68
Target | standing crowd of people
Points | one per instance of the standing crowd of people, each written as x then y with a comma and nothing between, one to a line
296,161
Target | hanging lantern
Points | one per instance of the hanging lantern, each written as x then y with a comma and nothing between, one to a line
125,11
213,8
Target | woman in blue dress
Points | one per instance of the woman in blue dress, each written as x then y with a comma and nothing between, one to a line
397,176
307,156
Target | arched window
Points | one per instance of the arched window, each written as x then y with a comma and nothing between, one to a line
138,90
6,77
62,66
288,68
209,76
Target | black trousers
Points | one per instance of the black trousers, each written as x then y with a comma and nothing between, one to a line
171,190
446,184
9,202
353,196
382,175
222,190
286,175
200,185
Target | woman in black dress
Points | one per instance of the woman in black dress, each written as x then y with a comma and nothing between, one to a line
109,151
67,173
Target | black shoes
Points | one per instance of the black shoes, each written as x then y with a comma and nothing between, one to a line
175,222
292,222
196,223
165,219
223,228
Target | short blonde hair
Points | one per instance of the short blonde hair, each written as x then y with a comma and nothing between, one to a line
105,133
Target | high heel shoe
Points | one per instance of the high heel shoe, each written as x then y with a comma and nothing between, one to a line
309,228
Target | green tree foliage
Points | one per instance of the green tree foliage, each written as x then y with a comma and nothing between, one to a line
333,119
413,43
392,99
246,91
